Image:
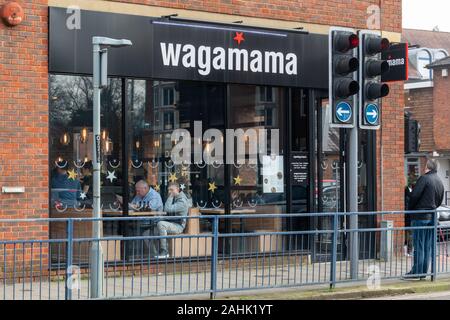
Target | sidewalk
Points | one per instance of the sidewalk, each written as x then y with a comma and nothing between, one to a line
350,291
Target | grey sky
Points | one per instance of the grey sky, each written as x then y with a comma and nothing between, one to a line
426,14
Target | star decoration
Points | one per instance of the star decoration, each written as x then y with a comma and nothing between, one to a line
72,174
212,186
111,176
82,195
237,180
173,177
184,173
182,187
157,187
239,37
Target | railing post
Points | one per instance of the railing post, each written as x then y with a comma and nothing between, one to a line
334,251
434,247
214,254
69,261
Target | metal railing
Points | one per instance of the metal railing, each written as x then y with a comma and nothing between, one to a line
229,253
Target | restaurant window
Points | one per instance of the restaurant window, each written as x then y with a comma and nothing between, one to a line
257,186
71,138
70,154
157,108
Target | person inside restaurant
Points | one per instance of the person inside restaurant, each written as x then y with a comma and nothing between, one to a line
65,186
146,198
86,182
177,204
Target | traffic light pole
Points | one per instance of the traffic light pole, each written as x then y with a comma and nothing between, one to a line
343,86
353,200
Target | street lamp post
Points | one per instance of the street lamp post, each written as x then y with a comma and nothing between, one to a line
100,79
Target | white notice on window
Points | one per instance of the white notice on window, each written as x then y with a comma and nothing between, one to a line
272,171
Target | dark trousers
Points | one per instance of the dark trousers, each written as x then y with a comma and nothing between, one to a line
422,242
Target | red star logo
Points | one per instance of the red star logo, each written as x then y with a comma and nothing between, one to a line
239,37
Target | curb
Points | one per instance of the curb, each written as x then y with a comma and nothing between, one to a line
399,288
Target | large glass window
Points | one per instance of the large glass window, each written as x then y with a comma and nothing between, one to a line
257,185
156,109
71,144
140,130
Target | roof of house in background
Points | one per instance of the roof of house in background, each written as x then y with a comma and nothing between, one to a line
427,38
440,63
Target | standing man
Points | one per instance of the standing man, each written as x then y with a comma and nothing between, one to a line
427,194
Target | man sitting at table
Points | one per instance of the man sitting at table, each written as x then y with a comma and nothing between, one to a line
65,189
146,197
177,204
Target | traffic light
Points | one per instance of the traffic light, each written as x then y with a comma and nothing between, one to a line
412,135
371,68
343,84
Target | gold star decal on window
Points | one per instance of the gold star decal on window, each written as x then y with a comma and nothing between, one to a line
157,187
173,177
184,173
237,180
72,174
212,186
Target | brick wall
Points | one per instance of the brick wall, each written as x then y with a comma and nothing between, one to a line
390,140
332,12
441,107
24,116
419,102
24,94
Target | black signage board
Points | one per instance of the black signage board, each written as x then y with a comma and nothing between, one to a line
299,169
184,50
397,57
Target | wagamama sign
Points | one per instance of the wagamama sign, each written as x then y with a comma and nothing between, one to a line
204,58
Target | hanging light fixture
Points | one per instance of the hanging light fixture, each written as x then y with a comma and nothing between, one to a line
65,139
108,145
104,134
84,135
138,144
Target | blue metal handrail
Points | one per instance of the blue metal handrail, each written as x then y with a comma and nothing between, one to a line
222,266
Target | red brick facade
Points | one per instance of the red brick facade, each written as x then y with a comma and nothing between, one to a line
24,118
441,116
418,103
24,95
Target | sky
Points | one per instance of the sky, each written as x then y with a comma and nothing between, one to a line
426,14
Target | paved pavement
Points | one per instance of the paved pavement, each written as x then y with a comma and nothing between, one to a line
231,277
445,295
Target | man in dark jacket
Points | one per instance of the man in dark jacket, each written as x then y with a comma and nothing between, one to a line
427,194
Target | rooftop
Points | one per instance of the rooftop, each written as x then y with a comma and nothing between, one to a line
427,38
439,63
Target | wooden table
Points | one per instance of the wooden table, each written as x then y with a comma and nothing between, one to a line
220,211
134,213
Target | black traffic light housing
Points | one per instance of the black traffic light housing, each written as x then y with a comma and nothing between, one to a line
371,68
343,83
412,135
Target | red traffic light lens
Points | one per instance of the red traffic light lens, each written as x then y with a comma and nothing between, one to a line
353,41
345,41
385,44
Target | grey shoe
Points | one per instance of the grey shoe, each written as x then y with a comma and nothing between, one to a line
410,276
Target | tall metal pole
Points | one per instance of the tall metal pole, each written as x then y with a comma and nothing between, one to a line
100,81
353,199
97,269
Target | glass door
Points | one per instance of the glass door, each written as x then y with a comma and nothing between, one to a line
331,167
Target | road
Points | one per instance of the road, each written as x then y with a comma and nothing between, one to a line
443,295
